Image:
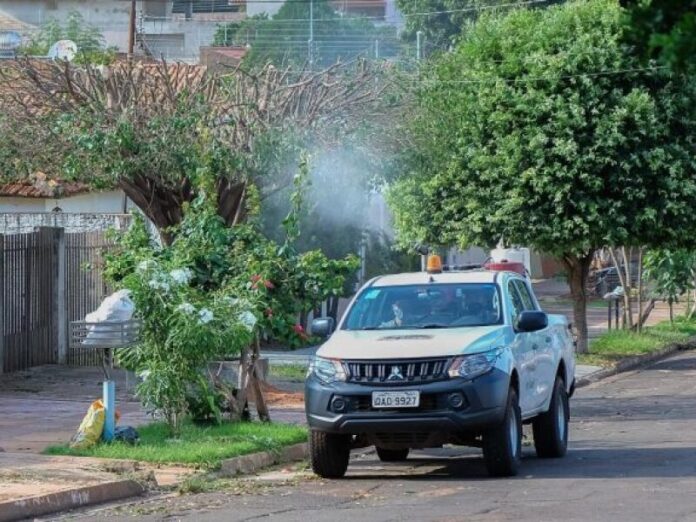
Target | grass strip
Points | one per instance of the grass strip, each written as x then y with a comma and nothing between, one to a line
200,446
612,346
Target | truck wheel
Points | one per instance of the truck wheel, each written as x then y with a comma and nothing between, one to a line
329,453
502,445
551,428
392,455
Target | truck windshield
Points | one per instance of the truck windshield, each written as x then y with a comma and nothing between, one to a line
425,306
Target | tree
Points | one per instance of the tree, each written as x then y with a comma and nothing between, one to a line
542,129
148,128
672,271
663,30
442,21
88,38
284,38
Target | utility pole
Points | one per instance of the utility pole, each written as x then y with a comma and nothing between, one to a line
419,42
376,49
131,31
310,43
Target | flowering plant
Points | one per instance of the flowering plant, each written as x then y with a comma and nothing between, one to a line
191,309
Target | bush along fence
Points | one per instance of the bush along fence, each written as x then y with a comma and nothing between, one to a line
47,279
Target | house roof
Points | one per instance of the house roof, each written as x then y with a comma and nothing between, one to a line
10,23
40,186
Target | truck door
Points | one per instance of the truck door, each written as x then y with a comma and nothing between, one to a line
525,356
542,348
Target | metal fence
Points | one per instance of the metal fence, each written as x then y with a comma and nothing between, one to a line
85,284
47,279
27,263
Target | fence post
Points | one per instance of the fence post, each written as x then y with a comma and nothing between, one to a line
2,303
60,296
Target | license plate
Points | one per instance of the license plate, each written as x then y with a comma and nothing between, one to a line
396,399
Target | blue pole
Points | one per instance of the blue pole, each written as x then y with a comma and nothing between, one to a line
109,400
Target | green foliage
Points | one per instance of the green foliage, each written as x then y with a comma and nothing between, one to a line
663,30
191,307
200,446
442,21
283,38
671,271
536,131
89,40
289,372
615,345
205,402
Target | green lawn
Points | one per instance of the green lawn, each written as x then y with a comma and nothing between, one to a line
612,346
200,446
289,372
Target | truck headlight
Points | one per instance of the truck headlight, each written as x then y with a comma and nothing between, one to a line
327,370
475,365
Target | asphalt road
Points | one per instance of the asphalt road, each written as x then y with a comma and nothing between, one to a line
632,458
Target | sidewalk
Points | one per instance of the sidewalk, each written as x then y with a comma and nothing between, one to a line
35,485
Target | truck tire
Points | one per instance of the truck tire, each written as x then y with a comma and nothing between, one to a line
551,428
502,445
392,455
329,453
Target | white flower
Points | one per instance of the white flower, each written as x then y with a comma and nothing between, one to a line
181,276
205,316
158,285
248,320
187,308
144,266
144,374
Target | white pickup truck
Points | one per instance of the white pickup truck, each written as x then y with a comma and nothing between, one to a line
440,357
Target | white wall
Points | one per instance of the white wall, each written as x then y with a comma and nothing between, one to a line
111,16
109,202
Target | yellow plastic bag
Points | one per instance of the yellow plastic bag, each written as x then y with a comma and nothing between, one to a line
90,430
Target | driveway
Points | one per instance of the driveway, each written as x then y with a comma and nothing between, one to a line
632,458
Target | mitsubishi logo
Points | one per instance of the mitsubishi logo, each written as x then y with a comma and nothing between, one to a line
396,374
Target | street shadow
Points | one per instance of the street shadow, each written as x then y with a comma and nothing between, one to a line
590,463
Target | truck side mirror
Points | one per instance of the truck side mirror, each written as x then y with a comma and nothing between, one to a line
323,326
531,321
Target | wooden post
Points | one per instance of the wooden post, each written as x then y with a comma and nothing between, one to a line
131,31
60,295
2,303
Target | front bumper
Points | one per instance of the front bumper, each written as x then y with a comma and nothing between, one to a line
483,406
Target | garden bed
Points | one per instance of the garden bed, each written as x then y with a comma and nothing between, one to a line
198,446
616,345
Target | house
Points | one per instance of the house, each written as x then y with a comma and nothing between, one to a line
173,29
40,201
384,11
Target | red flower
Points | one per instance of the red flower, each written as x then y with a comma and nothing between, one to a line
269,312
299,330
268,284
255,278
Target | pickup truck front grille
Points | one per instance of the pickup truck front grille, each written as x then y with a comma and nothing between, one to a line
397,371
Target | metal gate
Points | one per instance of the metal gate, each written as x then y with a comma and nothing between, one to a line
27,264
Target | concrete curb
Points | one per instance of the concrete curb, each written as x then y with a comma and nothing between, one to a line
252,463
633,363
40,505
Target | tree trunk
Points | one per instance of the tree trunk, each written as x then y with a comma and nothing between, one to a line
671,311
625,280
259,399
640,290
577,268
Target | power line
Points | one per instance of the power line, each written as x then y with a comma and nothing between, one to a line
542,78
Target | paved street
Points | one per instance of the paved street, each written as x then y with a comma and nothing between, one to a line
632,458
